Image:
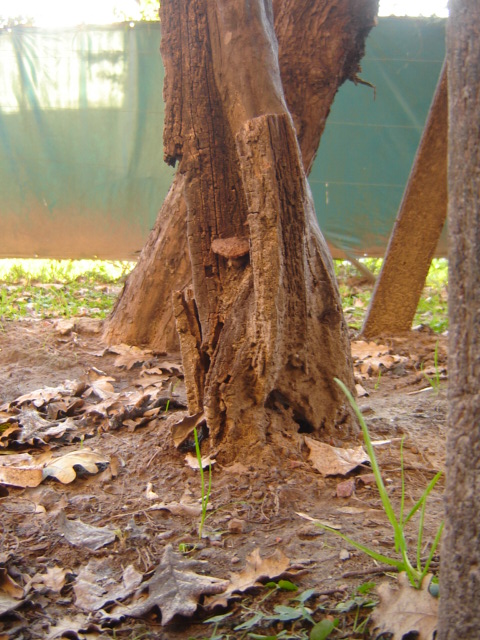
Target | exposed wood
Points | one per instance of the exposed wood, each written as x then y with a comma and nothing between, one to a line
143,313
416,231
459,615
320,45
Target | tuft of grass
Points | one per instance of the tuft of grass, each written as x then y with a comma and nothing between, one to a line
415,572
205,494
434,381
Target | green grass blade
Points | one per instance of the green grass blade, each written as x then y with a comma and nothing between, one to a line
432,551
402,471
420,535
387,505
370,552
424,496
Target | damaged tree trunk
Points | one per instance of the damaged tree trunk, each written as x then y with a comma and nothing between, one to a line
320,43
261,330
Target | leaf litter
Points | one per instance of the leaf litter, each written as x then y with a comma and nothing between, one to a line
126,412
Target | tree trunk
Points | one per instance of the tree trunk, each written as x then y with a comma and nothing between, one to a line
261,331
320,45
460,558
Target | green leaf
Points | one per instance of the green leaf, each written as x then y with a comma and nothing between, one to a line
366,587
305,595
286,585
217,619
285,614
322,629
255,619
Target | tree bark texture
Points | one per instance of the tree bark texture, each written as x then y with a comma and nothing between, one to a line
262,331
460,557
320,44
417,229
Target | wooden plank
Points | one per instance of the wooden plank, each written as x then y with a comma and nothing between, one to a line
417,228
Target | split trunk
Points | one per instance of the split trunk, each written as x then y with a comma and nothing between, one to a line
261,327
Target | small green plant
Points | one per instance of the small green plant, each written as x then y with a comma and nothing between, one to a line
216,620
434,381
415,573
358,601
296,612
205,494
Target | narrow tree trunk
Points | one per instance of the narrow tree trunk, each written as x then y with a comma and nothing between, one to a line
263,333
460,557
320,45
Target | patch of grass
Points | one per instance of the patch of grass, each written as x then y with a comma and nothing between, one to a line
356,293
415,572
59,288
291,619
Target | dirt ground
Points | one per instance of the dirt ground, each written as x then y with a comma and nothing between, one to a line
56,576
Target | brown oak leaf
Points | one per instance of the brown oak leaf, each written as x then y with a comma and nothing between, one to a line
174,588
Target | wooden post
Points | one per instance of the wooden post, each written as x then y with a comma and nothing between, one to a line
417,229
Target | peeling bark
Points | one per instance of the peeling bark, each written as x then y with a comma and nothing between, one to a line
320,45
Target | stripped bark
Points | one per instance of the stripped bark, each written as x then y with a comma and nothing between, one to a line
320,45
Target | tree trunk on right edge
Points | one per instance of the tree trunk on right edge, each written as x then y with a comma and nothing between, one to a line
459,617
321,43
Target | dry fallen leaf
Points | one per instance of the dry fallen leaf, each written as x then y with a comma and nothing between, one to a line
84,535
95,587
182,431
404,610
101,386
178,508
332,461
257,568
74,627
35,429
11,594
54,579
129,356
174,588
23,477
63,468
192,461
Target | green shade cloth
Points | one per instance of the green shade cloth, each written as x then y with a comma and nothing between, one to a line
81,118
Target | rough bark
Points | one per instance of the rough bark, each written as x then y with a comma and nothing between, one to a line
267,328
416,231
320,45
460,557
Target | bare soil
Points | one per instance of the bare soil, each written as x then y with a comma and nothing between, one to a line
252,506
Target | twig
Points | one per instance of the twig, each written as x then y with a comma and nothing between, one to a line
374,570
